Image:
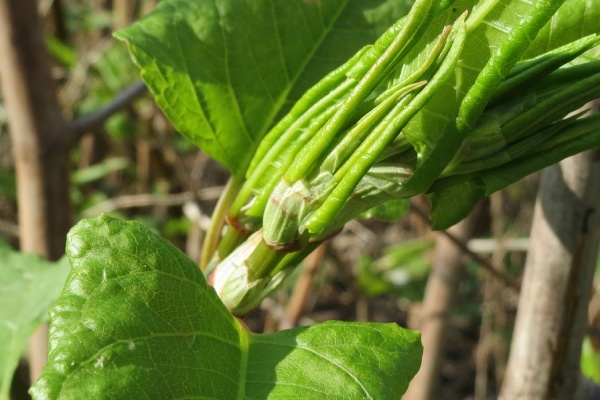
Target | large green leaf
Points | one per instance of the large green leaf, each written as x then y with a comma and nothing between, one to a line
223,70
28,287
138,321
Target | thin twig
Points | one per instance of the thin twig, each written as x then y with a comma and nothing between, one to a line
200,223
146,199
485,263
362,231
297,304
485,245
82,125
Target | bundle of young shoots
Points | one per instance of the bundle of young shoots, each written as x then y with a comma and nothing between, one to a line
419,111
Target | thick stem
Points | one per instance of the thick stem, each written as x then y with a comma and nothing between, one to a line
442,286
123,11
40,142
546,346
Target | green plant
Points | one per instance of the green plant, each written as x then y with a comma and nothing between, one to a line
30,285
139,321
403,267
439,105
590,360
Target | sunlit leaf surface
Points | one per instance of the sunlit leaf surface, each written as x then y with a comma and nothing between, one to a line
138,321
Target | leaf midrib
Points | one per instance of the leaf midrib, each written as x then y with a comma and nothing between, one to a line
283,97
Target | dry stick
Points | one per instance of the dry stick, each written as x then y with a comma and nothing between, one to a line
195,234
192,209
447,269
94,120
442,286
483,344
492,311
147,199
40,146
552,311
303,287
501,322
123,12
71,91
490,245
485,263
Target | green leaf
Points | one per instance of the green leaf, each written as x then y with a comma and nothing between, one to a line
8,184
453,203
28,287
573,20
575,136
390,211
452,198
334,360
137,321
498,33
402,270
61,52
223,70
98,171
590,360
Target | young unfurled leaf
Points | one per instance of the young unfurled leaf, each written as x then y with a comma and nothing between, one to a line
518,136
346,154
437,131
573,20
320,190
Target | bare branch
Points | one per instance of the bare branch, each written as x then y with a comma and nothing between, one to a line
482,246
40,146
80,126
147,199
483,262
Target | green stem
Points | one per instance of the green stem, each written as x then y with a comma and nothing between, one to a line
263,260
218,220
290,143
400,46
531,71
553,106
382,136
